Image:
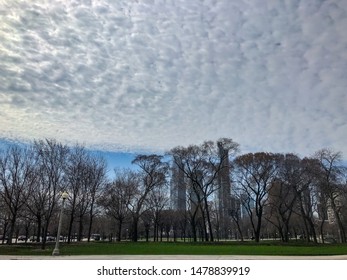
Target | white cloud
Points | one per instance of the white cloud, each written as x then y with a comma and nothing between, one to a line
156,74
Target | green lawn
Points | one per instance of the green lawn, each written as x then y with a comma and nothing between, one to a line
142,248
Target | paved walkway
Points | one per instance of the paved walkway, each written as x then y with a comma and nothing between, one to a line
172,257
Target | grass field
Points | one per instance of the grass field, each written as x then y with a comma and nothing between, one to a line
142,248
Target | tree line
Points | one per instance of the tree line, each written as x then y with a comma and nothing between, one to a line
224,195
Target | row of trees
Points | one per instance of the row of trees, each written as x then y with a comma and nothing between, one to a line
270,194
293,194
32,179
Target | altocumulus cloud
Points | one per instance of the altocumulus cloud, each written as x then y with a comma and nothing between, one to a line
153,74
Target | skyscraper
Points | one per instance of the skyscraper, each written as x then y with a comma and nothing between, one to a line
178,189
225,202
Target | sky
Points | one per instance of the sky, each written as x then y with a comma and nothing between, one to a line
148,75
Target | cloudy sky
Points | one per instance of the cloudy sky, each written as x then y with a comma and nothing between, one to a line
123,75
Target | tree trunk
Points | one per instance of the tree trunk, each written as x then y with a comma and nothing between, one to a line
39,227
134,228
44,236
258,228
80,229
341,229
91,217
119,233
203,226
147,235
239,230
11,231
209,220
70,227
4,232
193,225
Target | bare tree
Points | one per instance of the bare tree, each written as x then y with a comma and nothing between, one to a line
285,191
236,216
17,177
194,213
95,180
307,199
50,158
4,217
153,173
157,201
75,172
202,166
117,197
331,185
254,174
85,175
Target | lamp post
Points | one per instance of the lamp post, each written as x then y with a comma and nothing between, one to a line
64,196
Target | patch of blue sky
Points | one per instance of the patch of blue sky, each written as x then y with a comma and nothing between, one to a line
116,160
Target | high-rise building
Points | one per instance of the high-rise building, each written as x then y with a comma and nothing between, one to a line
225,203
178,189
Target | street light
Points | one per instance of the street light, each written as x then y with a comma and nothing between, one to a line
64,196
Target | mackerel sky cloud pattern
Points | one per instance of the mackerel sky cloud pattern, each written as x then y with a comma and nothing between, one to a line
153,74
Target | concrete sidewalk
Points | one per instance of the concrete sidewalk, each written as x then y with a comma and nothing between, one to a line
172,257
